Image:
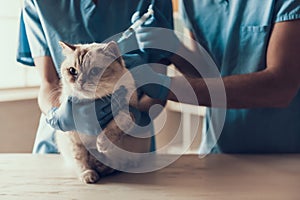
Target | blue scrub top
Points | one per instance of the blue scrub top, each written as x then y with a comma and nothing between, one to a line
46,22
236,33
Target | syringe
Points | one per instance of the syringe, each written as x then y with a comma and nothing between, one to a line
126,34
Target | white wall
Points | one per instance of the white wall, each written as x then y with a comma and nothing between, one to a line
12,74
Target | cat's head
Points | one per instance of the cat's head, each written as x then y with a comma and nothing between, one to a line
91,70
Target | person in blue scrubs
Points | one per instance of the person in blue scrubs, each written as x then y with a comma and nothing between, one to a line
46,22
255,45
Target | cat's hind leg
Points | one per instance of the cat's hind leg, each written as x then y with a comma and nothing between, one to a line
111,136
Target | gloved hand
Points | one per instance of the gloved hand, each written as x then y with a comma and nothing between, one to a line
87,116
156,36
153,84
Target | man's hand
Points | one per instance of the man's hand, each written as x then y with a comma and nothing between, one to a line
153,84
156,35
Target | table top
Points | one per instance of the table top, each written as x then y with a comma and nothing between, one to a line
218,177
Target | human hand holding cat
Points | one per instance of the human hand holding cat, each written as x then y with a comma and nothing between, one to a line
86,116
154,84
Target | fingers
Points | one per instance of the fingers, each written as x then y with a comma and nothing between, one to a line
135,17
53,120
133,60
143,6
118,99
121,92
108,107
147,33
105,120
141,9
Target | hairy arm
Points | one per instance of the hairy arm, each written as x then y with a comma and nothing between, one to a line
146,102
274,86
49,92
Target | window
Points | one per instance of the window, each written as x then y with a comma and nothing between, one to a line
13,74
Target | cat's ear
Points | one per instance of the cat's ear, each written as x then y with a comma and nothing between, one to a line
67,48
113,49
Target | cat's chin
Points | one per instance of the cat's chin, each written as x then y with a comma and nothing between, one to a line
83,95
91,95
86,96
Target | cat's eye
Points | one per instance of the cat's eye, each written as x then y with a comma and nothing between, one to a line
73,71
95,71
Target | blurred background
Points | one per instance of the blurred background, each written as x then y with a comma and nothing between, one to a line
19,112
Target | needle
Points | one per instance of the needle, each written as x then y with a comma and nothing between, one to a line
126,34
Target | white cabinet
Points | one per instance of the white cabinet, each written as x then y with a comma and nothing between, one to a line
178,128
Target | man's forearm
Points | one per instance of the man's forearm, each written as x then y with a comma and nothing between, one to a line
50,89
48,96
146,102
184,61
275,86
255,90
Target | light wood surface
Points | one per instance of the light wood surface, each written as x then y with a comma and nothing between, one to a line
217,177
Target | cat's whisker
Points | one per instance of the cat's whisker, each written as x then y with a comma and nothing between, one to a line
53,93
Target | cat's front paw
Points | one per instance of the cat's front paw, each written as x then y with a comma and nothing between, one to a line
89,176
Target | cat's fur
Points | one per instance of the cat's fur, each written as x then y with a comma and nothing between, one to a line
83,58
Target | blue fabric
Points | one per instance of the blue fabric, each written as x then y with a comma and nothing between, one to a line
23,53
47,22
236,34
45,138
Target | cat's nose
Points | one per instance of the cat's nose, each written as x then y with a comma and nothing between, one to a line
81,83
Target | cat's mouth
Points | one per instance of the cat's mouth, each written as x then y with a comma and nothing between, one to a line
86,92
90,92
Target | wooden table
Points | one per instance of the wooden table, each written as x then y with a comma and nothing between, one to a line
217,177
